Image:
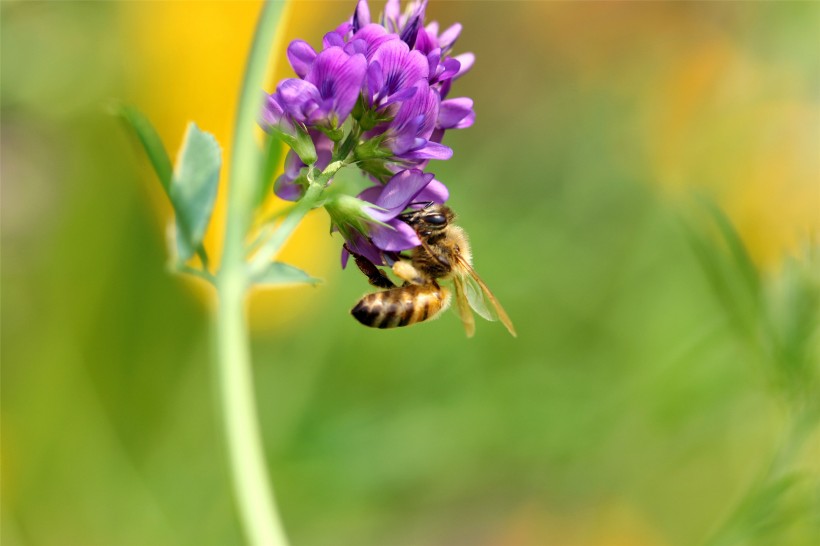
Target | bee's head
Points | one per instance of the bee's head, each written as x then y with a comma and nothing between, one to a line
430,219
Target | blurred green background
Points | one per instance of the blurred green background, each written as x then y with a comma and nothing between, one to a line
648,399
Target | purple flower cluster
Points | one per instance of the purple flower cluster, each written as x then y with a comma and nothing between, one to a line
375,96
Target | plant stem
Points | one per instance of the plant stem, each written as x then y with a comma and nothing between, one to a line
270,248
252,487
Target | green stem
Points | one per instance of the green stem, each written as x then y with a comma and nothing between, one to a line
270,249
252,487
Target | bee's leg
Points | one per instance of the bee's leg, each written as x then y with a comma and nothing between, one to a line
375,276
405,271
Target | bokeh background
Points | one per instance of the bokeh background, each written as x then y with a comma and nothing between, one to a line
648,399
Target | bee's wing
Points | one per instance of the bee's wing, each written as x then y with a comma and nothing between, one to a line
463,306
476,296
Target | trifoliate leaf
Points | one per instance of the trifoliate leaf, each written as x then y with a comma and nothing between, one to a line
151,143
193,188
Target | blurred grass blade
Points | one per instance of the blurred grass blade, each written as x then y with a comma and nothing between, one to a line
729,269
151,143
193,188
740,255
278,273
762,515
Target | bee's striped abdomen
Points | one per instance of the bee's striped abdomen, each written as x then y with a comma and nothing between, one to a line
401,306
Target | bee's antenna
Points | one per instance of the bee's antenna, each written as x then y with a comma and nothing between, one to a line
424,204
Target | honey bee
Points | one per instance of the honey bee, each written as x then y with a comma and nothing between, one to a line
444,255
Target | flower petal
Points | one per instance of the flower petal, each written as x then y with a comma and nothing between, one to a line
400,66
293,164
274,116
301,56
355,46
402,188
424,103
449,37
466,60
392,13
468,121
400,237
361,16
296,97
394,197
332,39
285,188
411,30
351,78
375,79
449,68
453,111
433,59
361,246
435,191
425,42
432,150
374,35
371,194
339,77
400,96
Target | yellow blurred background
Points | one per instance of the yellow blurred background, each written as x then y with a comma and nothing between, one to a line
629,412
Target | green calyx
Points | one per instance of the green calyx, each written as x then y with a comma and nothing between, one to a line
372,149
348,215
300,142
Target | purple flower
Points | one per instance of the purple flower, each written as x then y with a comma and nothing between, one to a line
390,77
368,39
394,69
408,188
431,38
455,113
404,23
301,57
361,16
274,116
415,20
443,76
329,91
408,134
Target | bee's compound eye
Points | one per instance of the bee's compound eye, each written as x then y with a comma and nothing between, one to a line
435,219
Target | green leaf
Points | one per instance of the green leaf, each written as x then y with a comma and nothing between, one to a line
150,141
273,154
193,188
278,273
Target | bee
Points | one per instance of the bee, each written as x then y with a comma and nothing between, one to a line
444,255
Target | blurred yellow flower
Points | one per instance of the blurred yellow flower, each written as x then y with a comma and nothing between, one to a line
737,126
615,523
717,111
